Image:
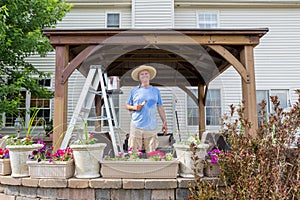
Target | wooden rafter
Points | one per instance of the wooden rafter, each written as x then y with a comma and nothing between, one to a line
232,60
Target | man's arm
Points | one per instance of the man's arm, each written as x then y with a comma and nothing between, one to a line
162,114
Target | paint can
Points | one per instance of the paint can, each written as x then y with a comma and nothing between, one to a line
113,83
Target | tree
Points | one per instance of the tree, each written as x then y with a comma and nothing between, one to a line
21,24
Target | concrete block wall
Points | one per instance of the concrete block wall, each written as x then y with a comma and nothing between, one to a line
95,189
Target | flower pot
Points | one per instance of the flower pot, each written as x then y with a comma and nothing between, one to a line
184,155
5,168
87,158
18,157
56,169
139,169
212,169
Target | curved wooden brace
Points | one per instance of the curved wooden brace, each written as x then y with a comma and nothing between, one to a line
232,60
76,62
190,93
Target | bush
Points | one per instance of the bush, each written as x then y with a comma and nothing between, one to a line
260,166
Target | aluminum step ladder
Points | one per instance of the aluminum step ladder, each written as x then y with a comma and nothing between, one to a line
80,115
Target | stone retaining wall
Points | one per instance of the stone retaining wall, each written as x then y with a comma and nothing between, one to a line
98,189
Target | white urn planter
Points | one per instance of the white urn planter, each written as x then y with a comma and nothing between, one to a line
87,159
186,165
18,157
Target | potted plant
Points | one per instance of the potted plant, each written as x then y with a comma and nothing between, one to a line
184,152
212,167
133,165
86,150
20,148
44,163
5,168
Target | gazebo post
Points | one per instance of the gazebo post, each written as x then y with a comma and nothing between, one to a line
201,109
249,89
60,96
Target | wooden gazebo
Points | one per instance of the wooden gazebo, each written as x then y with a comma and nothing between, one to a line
188,57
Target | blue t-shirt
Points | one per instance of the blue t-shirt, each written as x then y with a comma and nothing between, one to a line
146,117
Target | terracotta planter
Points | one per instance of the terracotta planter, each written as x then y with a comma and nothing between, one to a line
87,158
184,155
5,168
57,169
139,169
211,169
18,156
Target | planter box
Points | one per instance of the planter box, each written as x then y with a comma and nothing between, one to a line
212,169
5,168
45,169
139,169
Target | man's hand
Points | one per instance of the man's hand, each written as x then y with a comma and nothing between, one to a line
164,128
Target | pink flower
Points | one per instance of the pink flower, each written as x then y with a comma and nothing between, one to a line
156,155
213,155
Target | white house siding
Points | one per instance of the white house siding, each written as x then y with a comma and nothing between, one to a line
152,14
185,18
277,56
94,17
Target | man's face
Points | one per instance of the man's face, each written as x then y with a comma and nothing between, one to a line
144,75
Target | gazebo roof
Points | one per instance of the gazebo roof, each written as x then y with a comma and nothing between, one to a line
182,56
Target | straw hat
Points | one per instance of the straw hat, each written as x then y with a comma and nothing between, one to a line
136,71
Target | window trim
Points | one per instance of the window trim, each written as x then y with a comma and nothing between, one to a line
204,11
27,106
112,12
269,103
187,115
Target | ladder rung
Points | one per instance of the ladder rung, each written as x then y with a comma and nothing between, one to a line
115,91
92,90
97,118
85,110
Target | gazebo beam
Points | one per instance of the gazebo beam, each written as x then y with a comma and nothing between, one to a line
76,62
232,60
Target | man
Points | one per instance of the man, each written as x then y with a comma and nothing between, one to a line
143,101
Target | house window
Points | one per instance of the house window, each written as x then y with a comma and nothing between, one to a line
113,20
208,19
262,95
265,95
29,101
213,108
282,97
